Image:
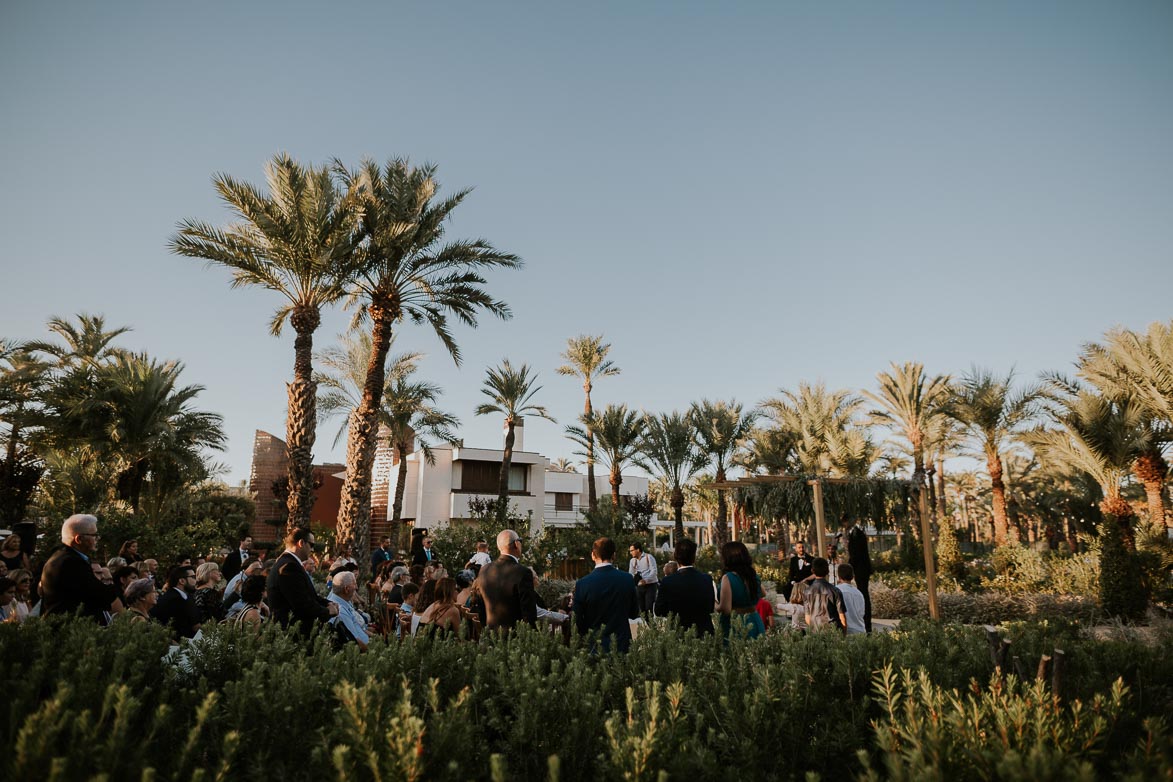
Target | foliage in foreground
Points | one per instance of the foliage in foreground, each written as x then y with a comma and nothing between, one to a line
81,702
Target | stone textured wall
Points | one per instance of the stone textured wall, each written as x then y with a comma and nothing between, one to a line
270,462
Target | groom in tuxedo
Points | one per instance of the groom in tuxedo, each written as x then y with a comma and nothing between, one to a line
688,593
605,600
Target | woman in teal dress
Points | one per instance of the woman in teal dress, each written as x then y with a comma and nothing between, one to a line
739,592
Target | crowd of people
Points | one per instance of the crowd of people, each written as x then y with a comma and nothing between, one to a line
407,596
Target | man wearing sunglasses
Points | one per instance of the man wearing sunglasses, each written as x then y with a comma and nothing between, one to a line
68,583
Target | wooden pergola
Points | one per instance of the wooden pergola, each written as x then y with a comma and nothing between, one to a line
816,485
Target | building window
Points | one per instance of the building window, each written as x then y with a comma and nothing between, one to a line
563,500
483,477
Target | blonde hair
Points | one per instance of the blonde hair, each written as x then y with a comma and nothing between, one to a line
204,572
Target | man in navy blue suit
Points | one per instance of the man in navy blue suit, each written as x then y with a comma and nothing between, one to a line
605,600
688,593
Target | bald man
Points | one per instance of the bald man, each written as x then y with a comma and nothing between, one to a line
508,587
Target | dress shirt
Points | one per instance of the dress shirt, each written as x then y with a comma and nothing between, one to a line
350,618
645,567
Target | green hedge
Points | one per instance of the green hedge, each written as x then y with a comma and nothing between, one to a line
82,702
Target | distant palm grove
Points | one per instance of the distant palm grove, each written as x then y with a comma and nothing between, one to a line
1065,460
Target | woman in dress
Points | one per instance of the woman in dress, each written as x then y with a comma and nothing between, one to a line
443,616
11,554
129,552
252,594
208,599
739,592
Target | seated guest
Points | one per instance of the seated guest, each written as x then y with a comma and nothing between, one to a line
464,585
12,555
176,606
68,583
8,603
252,567
252,611
141,597
150,569
350,623
129,552
393,586
407,608
824,602
122,578
114,563
24,591
427,595
443,615
670,568
208,601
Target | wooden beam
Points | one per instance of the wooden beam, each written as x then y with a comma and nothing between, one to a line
820,519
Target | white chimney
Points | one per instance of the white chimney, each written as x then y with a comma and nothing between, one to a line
518,433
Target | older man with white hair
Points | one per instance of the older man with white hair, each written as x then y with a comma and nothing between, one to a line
68,583
342,592
507,586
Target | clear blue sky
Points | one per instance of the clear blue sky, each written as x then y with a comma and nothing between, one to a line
739,195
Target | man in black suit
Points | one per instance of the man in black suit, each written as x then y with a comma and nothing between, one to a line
68,582
235,561
424,555
606,600
688,594
507,586
800,568
176,607
292,597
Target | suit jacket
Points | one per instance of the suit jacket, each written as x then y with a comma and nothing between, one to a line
797,573
292,597
172,609
606,600
688,595
68,583
508,590
857,553
420,557
232,565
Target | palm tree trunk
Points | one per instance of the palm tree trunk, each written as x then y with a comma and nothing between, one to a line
942,507
592,492
678,510
616,480
998,492
400,490
354,511
721,527
1150,469
503,479
302,421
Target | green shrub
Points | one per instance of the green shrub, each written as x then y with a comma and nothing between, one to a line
1122,588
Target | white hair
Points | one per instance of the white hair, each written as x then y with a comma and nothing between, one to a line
505,539
342,581
75,525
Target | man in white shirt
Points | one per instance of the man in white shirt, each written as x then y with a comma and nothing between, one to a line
853,600
647,576
342,593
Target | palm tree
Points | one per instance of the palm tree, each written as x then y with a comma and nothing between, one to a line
909,401
85,344
511,392
586,357
943,439
22,380
822,425
298,240
991,412
342,375
892,463
668,450
1137,369
562,464
617,432
406,271
721,430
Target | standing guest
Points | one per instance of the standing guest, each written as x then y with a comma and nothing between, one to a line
687,594
646,571
824,603
766,612
350,623
141,597
670,569
443,616
861,562
393,587
129,551
853,602
382,553
252,567
292,598
556,618
123,577
739,592
208,600
799,570
68,582
424,555
150,569
346,557
464,581
252,612
480,557
176,607
9,606
606,600
507,587
234,562
12,555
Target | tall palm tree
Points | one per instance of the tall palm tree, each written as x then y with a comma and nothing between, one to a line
892,463
299,240
586,357
562,464
1097,436
1138,369
22,380
943,439
668,450
617,432
86,343
511,392
406,271
909,401
991,412
721,430
823,427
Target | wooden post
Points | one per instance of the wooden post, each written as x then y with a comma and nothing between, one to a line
736,531
926,536
820,521
1058,673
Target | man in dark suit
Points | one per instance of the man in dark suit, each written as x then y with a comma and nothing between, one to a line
507,586
176,607
68,582
800,569
424,555
606,599
235,561
292,597
688,594
861,563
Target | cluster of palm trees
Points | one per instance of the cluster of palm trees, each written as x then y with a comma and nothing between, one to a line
86,422
373,236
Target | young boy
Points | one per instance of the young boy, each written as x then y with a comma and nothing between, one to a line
407,608
852,600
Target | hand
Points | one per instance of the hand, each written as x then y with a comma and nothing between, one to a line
333,609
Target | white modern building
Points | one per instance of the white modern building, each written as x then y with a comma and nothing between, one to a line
438,494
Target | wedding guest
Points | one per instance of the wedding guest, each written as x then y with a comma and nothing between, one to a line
644,568
351,621
292,597
9,606
606,600
12,555
68,582
208,600
141,597
176,606
506,586
252,611
443,616
24,589
853,602
687,594
824,602
129,551
739,592
234,562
